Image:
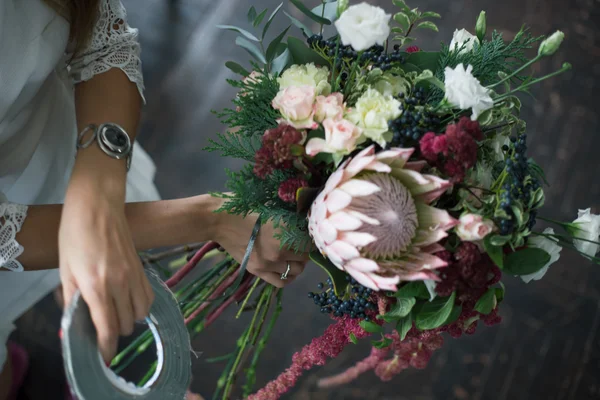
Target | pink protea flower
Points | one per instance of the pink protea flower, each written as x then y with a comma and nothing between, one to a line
373,219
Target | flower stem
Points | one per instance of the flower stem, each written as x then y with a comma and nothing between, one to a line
224,282
565,67
148,375
179,275
256,282
515,72
140,341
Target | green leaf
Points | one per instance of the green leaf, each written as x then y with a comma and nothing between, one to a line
317,18
454,315
270,20
498,240
337,276
251,48
402,308
430,14
328,10
281,62
424,60
259,18
251,14
401,4
435,313
301,54
236,68
353,338
403,20
239,30
371,327
404,325
495,252
526,261
272,49
487,302
307,31
342,5
428,25
518,214
382,344
413,289
500,292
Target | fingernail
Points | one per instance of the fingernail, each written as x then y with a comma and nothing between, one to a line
107,364
60,334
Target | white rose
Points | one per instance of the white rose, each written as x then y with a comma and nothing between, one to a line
588,225
463,37
306,75
550,247
474,227
464,91
363,25
391,85
372,113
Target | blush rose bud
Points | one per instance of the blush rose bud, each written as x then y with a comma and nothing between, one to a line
481,26
551,44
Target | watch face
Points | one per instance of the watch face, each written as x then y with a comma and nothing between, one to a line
115,139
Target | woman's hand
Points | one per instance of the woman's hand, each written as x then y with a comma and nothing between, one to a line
268,260
97,256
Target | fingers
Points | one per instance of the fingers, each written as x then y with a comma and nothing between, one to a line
141,294
104,316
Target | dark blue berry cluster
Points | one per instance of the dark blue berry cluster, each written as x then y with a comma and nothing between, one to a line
519,185
381,59
413,123
356,303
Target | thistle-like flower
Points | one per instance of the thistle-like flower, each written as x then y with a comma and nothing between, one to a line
373,219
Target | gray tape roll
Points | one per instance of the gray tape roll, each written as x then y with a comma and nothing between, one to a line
90,379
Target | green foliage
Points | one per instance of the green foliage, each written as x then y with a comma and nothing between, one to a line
434,314
338,277
526,261
409,19
253,113
235,145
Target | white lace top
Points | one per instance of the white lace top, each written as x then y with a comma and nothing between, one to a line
37,122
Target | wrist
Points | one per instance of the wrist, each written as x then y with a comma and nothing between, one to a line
97,175
208,220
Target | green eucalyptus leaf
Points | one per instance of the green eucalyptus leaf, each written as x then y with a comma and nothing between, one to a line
403,20
251,14
317,18
526,261
404,325
435,313
239,30
307,31
428,25
371,327
251,48
280,62
302,54
430,14
272,49
413,289
259,18
338,278
402,308
328,10
487,302
353,338
237,68
495,252
270,20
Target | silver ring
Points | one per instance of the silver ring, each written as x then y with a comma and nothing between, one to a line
284,276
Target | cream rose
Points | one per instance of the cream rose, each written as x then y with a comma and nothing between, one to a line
306,75
340,138
588,228
474,227
363,25
296,105
550,247
331,107
463,37
372,113
464,91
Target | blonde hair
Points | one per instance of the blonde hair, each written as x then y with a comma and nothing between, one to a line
82,16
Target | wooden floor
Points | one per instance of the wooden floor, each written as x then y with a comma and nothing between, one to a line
548,347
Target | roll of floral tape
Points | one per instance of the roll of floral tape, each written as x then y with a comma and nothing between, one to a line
87,374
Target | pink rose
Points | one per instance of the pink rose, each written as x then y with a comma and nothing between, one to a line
331,106
296,105
340,138
473,227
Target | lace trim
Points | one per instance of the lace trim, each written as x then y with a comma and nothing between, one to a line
113,44
12,217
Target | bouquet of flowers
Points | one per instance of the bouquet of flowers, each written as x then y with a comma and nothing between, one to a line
404,172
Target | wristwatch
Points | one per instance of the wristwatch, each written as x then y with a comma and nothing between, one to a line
112,139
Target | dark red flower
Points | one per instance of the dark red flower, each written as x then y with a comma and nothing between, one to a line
471,127
413,49
287,189
277,149
263,160
426,145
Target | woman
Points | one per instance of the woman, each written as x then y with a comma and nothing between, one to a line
65,137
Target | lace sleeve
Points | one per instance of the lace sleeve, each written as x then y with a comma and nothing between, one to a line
12,217
113,44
